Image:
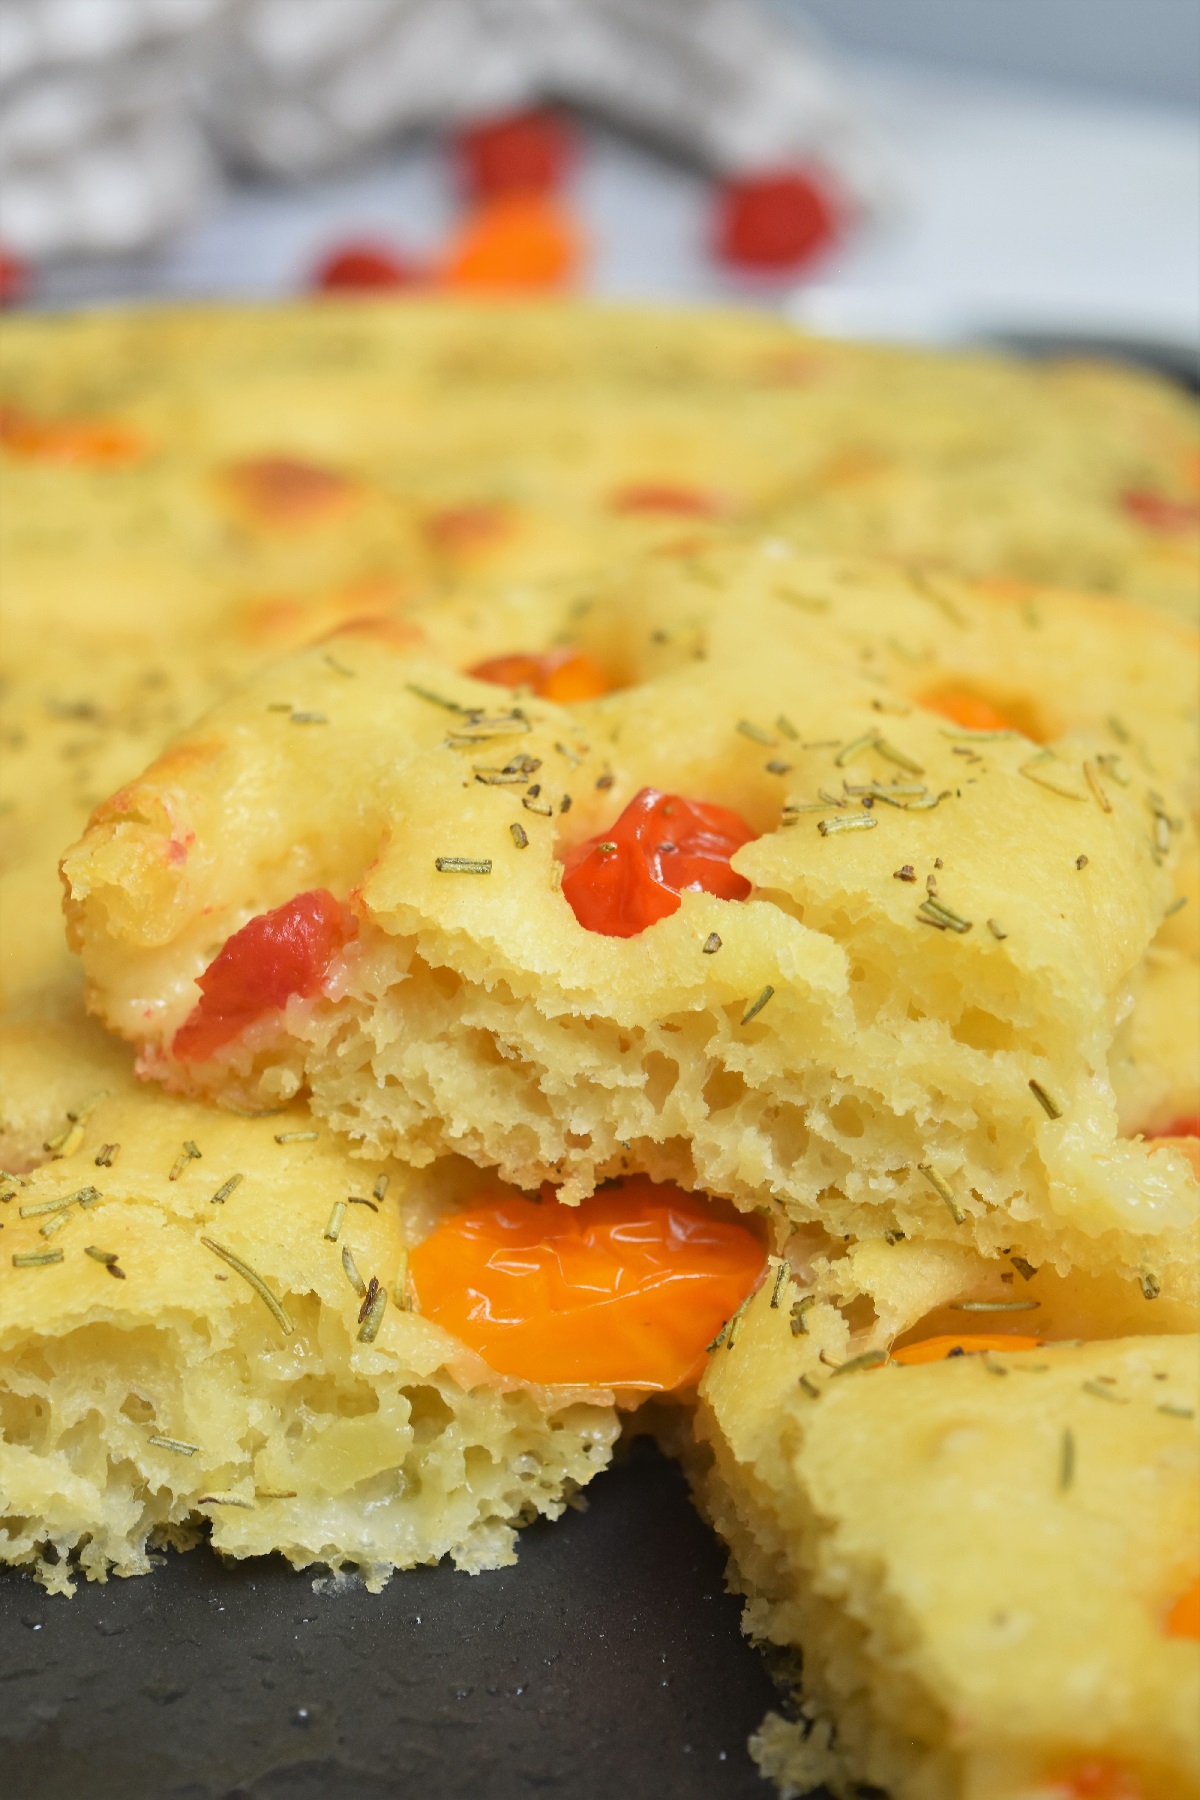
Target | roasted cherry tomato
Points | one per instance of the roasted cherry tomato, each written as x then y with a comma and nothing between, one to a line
14,278
969,710
92,443
963,1343
518,153
515,241
1187,1126
1183,1620
668,497
278,954
563,675
363,265
774,222
626,1290
1160,512
283,490
1094,1778
660,846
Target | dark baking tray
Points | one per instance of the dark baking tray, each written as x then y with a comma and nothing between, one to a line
609,1661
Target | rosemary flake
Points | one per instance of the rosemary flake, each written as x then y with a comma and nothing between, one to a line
1066,1460
1150,1285
463,865
845,822
1025,1269
424,693
810,1387
226,1188
1092,778
520,836
781,1275
933,911
1104,1393
899,757
775,767
1038,769
54,1224
225,1500
380,1187
870,1359
855,748
296,1137
337,1213
255,1280
371,1316
711,944
35,1259
997,930
943,1190
755,733
785,728
188,1154
352,1275
1175,1412
1046,1101
107,1155
796,1317
752,1012
535,804
176,1444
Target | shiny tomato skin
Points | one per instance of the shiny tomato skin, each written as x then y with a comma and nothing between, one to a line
625,1290
276,955
774,222
563,675
526,152
662,845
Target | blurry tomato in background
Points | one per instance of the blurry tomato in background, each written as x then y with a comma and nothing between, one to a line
520,241
520,153
774,222
14,278
364,264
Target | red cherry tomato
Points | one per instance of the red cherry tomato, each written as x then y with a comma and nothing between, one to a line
662,844
626,1290
1159,512
14,278
563,675
1187,1126
668,497
280,953
774,221
360,266
518,153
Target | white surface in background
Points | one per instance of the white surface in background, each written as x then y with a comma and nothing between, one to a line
1015,207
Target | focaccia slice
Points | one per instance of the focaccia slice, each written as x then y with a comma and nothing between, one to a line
906,1026
987,1563
185,1347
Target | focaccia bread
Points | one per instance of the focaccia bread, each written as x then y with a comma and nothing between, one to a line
266,468
183,1345
988,1564
904,1023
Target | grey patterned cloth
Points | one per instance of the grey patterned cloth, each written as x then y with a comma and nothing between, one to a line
117,115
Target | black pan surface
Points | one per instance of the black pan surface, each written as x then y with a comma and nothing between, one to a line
608,1662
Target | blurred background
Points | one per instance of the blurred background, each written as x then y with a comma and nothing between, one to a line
908,168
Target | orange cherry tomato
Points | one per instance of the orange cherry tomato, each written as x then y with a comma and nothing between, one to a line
1183,1620
626,1290
776,221
963,1343
668,497
526,152
516,241
456,530
563,675
661,845
1188,1125
969,710
280,953
286,491
361,265
1095,1778
92,443
1160,512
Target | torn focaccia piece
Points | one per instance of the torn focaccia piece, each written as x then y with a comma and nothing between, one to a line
206,1322
988,1562
750,922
